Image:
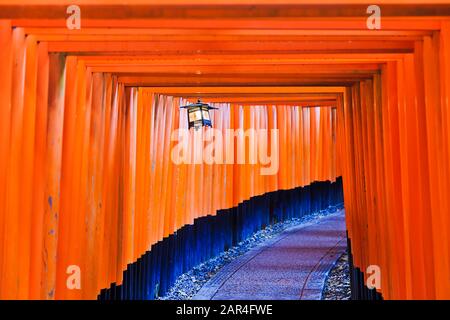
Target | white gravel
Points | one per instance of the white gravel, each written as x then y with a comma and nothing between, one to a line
337,284
188,284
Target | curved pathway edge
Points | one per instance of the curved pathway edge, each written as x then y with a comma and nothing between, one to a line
293,265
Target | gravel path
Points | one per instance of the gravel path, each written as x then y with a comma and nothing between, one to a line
188,284
337,285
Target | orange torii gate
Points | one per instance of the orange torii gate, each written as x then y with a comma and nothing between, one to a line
66,96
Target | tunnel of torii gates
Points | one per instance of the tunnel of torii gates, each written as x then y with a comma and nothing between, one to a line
87,118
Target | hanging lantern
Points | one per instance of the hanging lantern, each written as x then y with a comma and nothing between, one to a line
198,114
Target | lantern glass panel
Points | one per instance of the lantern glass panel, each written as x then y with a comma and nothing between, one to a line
206,114
195,115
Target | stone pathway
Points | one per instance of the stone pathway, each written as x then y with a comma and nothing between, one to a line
291,266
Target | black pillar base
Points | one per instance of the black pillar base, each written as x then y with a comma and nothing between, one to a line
359,289
156,270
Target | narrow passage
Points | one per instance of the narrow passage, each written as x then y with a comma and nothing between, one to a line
293,265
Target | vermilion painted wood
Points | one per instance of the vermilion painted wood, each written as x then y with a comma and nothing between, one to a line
434,60
219,2
390,88
12,284
53,231
67,172
39,178
317,25
5,123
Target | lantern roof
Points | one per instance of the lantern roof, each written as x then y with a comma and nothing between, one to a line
199,103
